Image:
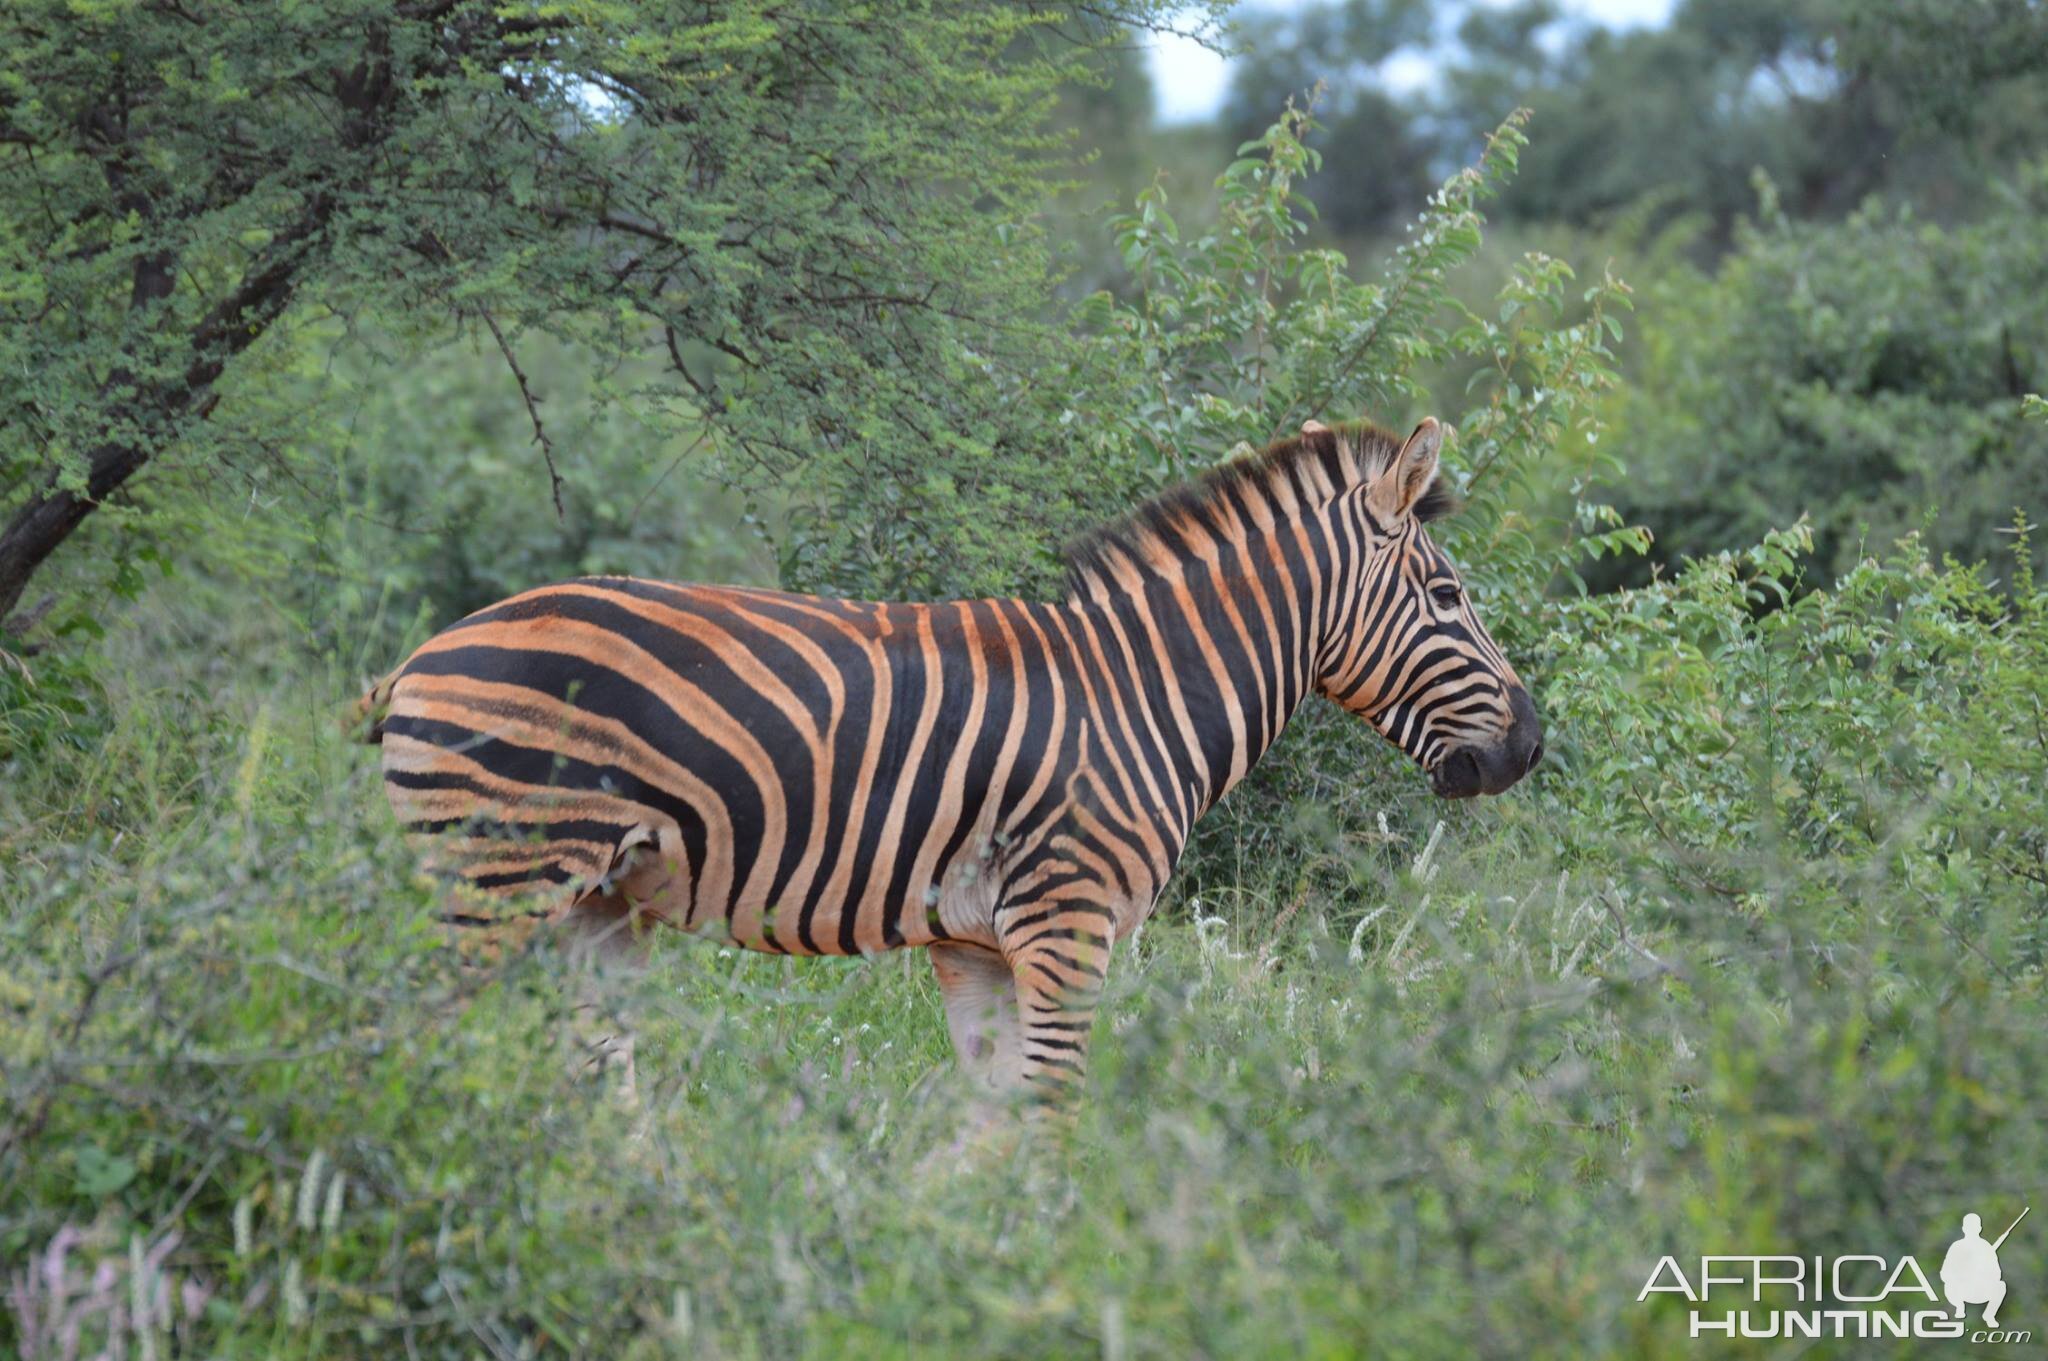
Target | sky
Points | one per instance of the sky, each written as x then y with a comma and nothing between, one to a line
1188,79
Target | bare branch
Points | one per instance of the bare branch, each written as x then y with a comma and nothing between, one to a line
540,432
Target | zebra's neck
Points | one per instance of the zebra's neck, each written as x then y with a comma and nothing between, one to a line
1206,646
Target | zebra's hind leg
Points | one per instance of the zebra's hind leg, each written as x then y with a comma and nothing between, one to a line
980,994
607,941
608,934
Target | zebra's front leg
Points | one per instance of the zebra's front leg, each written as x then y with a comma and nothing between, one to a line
1059,953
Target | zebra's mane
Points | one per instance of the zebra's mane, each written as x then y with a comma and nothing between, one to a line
1360,452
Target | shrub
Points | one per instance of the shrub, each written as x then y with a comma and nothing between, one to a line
1868,374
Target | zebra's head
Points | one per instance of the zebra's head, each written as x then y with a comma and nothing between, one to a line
1406,650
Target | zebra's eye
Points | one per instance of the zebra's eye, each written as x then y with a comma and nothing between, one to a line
1445,595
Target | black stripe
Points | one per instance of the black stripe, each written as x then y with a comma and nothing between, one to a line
550,872
489,828
1000,694
955,682
904,656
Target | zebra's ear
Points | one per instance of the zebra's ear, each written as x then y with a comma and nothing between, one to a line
1407,479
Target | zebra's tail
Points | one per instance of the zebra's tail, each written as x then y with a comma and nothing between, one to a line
365,718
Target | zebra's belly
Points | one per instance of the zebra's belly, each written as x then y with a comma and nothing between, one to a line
853,917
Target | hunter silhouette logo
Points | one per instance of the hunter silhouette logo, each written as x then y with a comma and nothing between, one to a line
1860,1295
1969,1274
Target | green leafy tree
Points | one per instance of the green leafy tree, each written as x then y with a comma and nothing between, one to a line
815,214
1869,374
1383,159
1835,99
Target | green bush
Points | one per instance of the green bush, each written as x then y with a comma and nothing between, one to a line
431,499
1867,374
1891,725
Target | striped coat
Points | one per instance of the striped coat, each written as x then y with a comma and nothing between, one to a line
1008,783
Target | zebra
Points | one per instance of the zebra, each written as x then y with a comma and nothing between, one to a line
1007,784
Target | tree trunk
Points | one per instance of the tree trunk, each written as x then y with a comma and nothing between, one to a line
233,324
47,521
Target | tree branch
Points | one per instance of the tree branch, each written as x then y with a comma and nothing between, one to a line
540,432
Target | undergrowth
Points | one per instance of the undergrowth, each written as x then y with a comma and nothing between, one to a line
1754,965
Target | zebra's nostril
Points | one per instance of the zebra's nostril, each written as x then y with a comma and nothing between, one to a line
1535,755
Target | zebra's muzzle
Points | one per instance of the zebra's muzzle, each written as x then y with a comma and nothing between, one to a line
1456,776
1495,768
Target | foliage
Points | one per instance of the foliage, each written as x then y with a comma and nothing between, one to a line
768,198
1792,750
1834,99
427,502
1460,1105
1867,373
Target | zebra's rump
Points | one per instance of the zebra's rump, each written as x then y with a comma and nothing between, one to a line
528,812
